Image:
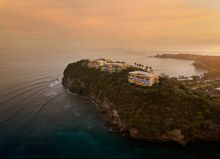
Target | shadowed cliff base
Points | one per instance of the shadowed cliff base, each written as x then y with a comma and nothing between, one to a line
168,111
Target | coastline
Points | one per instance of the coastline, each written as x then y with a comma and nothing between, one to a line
114,99
211,64
115,126
109,117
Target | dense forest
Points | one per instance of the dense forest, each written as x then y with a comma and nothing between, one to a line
153,111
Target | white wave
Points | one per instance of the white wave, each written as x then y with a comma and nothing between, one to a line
54,83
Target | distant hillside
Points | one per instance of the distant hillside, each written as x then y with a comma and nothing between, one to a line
164,112
209,63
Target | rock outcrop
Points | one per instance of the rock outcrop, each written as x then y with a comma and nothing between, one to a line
167,112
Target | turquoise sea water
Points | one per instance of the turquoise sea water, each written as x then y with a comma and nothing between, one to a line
40,119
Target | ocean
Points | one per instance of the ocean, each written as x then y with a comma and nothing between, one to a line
39,118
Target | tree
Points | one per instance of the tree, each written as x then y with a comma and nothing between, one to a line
151,70
146,68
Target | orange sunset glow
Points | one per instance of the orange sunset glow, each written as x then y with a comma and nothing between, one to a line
104,23
109,79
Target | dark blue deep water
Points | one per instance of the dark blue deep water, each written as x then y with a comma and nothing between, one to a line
40,119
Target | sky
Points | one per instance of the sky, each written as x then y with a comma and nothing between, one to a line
174,24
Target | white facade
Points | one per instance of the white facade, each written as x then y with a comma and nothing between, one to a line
97,63
108,65
143,78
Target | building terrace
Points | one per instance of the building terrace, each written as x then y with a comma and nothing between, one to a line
143,78
107,65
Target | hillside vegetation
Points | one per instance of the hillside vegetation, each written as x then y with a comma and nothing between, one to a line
153,111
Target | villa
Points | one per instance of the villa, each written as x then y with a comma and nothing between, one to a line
98,63
108,65
114,67
143,78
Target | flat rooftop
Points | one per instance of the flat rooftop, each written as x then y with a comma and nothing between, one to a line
142,73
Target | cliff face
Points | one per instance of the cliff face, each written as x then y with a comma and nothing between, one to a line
113,120
104,105
167,112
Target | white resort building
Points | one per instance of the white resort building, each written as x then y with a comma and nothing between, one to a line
143,78
98,63
107,65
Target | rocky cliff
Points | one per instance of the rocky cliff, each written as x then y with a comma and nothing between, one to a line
164,112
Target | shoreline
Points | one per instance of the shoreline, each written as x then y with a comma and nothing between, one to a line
110,109
211,64
112,128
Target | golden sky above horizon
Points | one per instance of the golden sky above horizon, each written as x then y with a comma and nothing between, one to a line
193,24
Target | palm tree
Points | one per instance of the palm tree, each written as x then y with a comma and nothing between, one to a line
146,68
150,69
